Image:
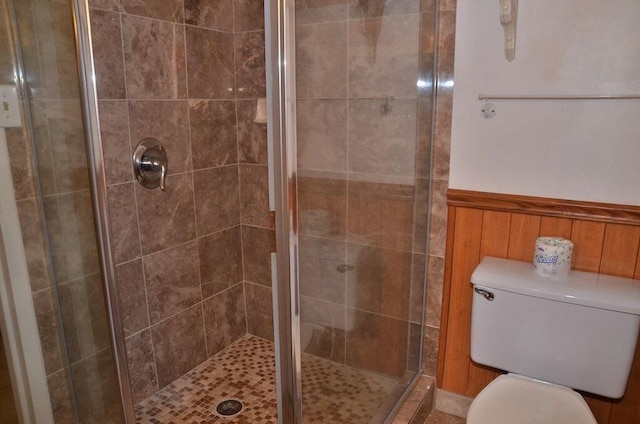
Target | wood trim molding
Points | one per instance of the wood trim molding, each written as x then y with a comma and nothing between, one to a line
446,295
593,211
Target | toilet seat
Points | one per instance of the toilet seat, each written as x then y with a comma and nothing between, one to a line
514,399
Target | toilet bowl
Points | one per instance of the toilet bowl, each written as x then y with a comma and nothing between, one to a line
551,336
515,399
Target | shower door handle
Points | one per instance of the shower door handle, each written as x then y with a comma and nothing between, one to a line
150,164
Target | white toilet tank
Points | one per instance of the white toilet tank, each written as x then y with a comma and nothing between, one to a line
579,331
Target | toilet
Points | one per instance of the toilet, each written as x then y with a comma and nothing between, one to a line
551,337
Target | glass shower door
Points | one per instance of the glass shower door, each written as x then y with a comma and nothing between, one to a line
364,78
52,183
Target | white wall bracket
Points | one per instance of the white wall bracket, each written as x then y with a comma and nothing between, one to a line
488,110
508,20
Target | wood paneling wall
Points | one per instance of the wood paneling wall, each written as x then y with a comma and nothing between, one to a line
606,239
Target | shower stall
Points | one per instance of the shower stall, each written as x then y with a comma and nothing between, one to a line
214,210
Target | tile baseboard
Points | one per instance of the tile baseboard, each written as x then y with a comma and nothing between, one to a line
452,403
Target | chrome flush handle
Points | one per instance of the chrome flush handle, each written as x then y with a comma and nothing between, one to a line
150,164
486,293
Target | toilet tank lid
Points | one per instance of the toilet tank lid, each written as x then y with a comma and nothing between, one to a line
580,288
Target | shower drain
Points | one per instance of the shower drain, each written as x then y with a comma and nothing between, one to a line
228,408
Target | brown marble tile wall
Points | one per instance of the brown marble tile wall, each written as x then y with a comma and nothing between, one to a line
440,178
357,259
47,305
259,310
364,176
258,223
188,73
45,27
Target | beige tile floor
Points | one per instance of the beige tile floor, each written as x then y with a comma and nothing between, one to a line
332,393
437,417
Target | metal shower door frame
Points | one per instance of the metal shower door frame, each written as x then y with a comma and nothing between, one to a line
98,185
281,133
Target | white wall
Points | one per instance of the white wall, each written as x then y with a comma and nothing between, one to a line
581,150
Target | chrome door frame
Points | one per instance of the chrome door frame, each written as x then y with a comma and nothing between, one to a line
98,183
281,100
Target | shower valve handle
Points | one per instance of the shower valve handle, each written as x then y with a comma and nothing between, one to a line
150,164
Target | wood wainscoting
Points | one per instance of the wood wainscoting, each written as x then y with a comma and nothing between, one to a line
606,239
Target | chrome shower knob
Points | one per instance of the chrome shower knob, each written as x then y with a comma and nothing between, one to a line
150,164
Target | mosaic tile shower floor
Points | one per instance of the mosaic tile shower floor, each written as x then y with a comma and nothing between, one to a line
332,393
